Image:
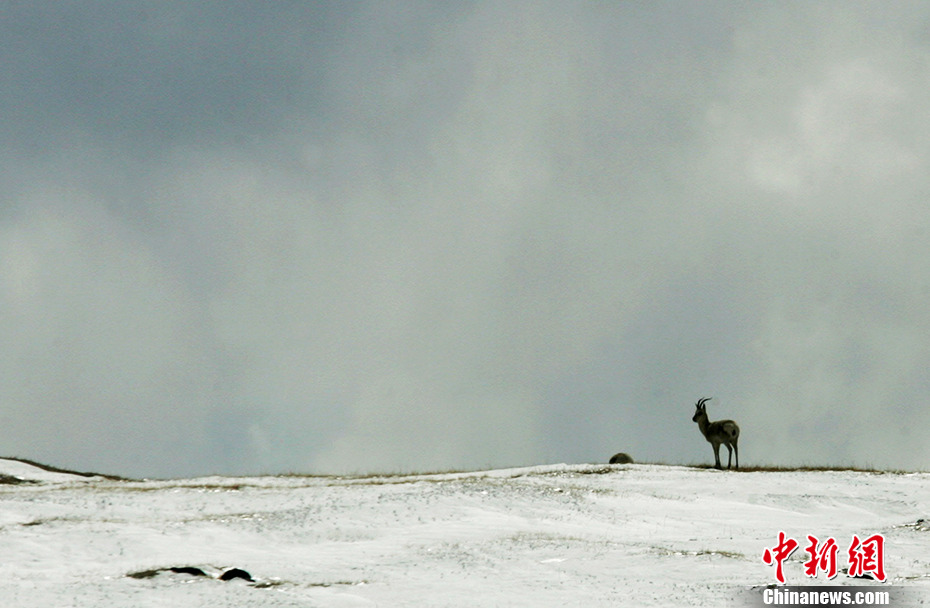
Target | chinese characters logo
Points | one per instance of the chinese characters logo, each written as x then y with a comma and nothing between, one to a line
866,557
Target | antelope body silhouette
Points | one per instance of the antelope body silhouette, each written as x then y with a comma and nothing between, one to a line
720,431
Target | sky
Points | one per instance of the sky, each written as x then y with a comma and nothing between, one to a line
412,236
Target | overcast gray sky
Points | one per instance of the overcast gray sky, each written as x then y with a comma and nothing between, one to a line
354,237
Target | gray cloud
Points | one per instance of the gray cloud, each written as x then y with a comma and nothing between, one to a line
412,236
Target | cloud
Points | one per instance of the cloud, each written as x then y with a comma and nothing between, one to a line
397,237
103,362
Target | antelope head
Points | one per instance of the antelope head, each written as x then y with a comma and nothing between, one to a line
700,409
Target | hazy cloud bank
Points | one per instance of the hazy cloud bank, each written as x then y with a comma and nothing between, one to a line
416,236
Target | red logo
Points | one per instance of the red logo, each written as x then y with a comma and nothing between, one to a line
823,558
866,557
779,554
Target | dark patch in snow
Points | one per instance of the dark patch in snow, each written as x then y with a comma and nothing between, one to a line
142,574
13,480
921,525
228,574
234,573
864,575
192,570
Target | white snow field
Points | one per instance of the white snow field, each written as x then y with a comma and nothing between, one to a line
557,535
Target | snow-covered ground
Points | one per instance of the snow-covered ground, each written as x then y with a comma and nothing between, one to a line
559,535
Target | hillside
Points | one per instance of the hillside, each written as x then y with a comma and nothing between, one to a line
559,535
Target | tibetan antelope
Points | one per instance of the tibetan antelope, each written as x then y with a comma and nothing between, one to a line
721,431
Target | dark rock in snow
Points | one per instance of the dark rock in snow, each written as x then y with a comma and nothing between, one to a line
144,574
234,573
192,570
228,575
14,480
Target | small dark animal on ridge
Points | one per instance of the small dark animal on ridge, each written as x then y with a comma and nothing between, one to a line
721,431
621,458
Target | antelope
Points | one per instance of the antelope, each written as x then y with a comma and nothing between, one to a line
721,431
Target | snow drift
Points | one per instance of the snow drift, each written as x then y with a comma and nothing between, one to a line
557,535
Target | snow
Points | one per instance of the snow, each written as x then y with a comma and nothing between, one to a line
559,535
29,472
